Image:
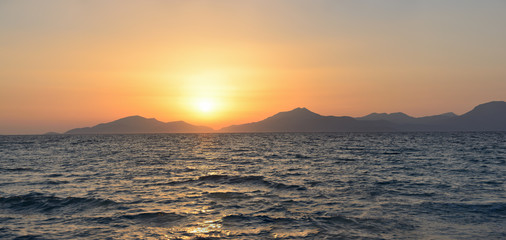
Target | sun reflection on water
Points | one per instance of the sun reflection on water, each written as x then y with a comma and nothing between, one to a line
207,229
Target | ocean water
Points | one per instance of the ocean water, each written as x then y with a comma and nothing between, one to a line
254,186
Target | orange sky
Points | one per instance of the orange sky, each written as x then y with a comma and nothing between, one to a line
67,64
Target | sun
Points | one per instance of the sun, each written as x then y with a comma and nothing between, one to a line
205,105
206,95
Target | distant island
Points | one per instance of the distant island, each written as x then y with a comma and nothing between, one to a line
489,116
138,124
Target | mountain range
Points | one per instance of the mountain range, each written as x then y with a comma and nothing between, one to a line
489,116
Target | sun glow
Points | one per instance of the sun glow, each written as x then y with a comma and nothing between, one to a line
206,95
205,105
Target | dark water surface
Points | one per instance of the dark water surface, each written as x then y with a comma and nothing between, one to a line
254,186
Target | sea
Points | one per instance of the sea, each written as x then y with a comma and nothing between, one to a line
254,186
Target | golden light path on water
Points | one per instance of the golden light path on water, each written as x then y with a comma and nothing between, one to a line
210,225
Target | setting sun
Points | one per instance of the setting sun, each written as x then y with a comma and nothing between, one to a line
205,105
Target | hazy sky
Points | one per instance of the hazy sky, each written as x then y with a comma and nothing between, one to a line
67,64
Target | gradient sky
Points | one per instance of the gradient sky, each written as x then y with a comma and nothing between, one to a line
67,64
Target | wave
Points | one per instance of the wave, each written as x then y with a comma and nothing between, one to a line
50,182
22,237
302,156
46,204
492,208
387,226
153,219
158,219
260,219
54,175
273,156
228,195
253,180
18,169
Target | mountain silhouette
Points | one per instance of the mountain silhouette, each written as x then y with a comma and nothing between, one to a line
485,117
402,118
138,124
303,120
489,116
391,117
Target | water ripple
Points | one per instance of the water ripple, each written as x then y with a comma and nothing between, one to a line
254,186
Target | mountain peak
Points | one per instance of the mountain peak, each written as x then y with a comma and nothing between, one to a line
448,114
399,114
298,113
494,105
300,109
397,117
132,117
135,119
489,116
488,109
